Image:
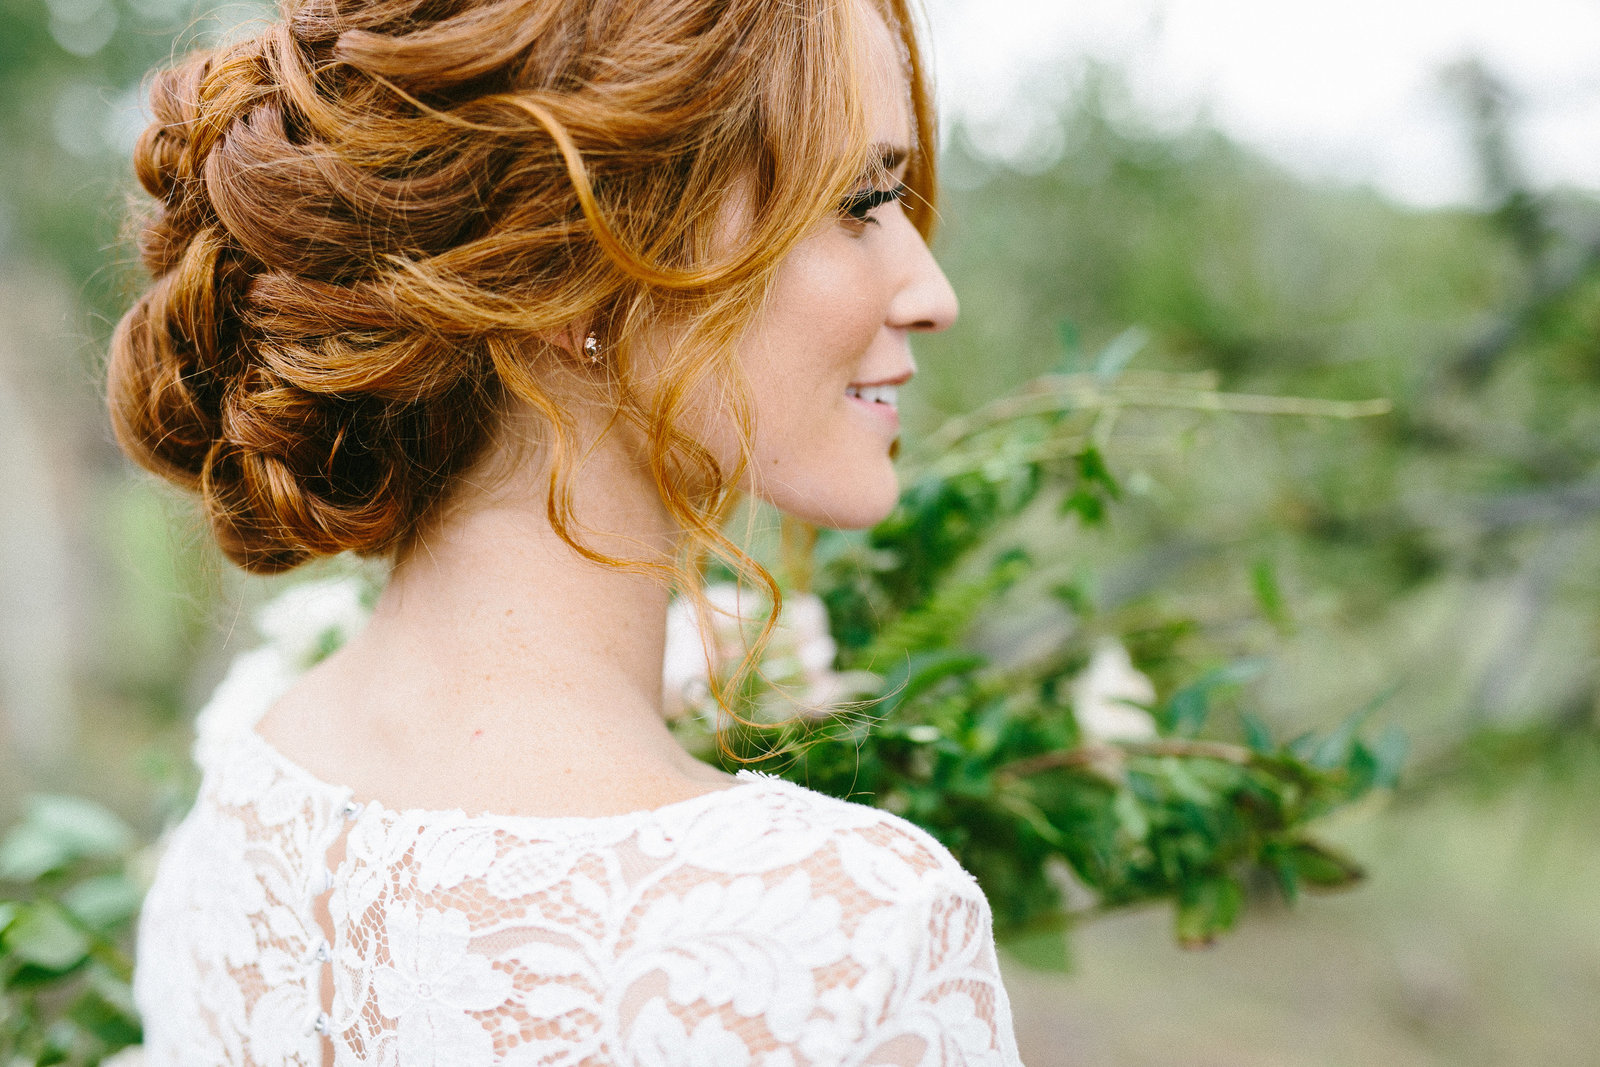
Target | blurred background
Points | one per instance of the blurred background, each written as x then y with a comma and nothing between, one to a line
1383,200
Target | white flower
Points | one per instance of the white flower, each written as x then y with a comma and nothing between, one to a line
306,621
798,659
805,618
1104,695
683,669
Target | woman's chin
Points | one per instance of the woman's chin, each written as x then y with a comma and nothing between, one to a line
847,504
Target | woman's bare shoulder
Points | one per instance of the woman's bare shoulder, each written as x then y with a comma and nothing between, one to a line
412,756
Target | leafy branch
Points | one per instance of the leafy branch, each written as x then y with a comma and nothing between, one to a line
999,760
67,902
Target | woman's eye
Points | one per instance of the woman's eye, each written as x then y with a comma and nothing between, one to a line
859,206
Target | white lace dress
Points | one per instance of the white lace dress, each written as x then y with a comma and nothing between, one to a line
764,925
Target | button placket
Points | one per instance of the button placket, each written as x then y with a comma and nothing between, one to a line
319,955
322,954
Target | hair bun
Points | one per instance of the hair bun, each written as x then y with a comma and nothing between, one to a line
371,218
307,419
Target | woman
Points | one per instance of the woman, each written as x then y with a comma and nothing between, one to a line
518,294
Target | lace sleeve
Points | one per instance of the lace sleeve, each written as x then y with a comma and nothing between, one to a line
951,1007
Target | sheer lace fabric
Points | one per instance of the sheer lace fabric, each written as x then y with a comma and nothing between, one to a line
763,925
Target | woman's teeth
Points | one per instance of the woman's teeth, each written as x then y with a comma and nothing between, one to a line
877,394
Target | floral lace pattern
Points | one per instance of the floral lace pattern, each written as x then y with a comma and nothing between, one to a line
763,925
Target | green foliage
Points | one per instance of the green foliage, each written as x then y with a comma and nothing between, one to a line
1208,546
1372,550
989,753
67,902
1005,781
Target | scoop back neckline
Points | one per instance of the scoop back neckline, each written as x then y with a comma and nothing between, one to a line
744,780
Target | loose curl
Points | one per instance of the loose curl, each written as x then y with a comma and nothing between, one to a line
375,219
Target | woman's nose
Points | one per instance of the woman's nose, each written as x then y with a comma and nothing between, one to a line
925,301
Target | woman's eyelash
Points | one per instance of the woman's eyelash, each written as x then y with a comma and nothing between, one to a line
859,206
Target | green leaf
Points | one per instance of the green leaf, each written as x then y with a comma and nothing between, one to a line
921,671
1186,784
1335,750
1116,356
1070,338
1045,951
1320,867
1304,746
1269,594
58,1042
57,831
1034,816
109,1022
1207,906
103,902
89,829
327,643
1093,469
1185,714
1361,769
1095,485
1187,711
43,936
1075,595
1281,864
1390,752
28,853
1088,506
1131,819
940,619
114,987
1256,733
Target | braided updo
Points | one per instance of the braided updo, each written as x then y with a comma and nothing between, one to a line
373,219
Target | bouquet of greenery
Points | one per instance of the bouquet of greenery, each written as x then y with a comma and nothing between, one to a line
938,666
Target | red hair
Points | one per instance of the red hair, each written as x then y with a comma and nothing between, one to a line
372,218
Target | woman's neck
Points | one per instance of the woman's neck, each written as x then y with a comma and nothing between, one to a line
502,613
499,656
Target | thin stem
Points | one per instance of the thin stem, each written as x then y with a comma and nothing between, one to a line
1100,752
1061,394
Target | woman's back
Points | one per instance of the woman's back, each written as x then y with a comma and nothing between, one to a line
763,924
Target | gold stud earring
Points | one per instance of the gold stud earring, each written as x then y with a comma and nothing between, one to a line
591,347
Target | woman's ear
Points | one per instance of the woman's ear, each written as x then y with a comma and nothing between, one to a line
579,342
